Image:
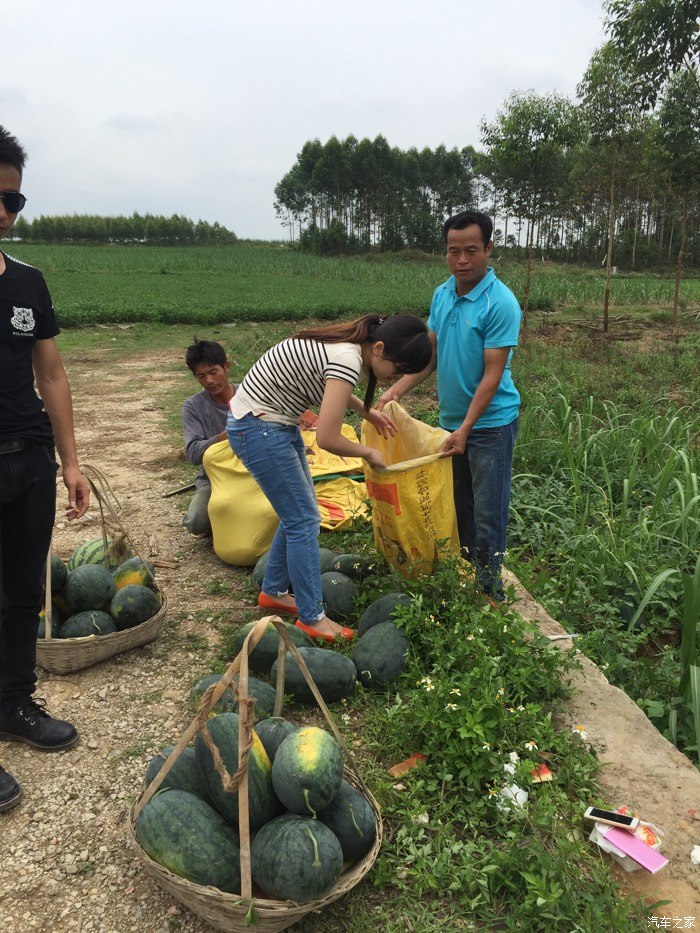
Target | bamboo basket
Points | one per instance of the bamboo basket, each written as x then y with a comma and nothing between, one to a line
230,912
66,655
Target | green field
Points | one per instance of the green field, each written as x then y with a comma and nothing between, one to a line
604,517
606,506
118,284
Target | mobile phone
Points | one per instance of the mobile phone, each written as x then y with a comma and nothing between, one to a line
611,818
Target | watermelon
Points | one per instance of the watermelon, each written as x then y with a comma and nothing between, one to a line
295,858
381,610
61,604
132,605
354,566
93,552
259,570
334,674
264,696
227,703
188,837
351,818
627,610
83,624
273,731
184,774
223,731
59,574
264,655
326,558
380,655
339,594
55,624
90,586
135,571
307,770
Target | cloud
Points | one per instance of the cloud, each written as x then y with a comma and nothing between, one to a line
13,97
203,113
133,123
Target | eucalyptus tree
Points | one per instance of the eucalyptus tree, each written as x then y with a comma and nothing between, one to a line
679,134
381,195
610,104
529,147
292,200
655,39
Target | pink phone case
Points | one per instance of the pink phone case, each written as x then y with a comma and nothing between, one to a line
638,850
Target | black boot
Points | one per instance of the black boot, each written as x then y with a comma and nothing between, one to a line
27,721
10,791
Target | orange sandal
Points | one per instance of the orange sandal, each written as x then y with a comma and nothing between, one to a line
345,633
269,602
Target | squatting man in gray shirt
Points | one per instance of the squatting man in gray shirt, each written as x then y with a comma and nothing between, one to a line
204,421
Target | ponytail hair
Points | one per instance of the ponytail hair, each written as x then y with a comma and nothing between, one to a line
405,339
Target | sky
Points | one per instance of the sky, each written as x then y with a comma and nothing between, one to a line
200,108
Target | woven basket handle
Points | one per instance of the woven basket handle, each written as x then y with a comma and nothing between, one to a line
107,500
245,734
47,598
209,700
245,740
109,503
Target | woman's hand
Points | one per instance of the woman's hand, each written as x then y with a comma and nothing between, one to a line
390,395
381,423
375,459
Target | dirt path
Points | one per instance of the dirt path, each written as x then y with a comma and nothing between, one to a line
65,860
64,854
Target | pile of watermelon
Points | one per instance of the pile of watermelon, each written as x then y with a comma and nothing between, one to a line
94,594
307,820
379,655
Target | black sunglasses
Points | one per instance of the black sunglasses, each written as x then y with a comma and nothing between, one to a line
13,201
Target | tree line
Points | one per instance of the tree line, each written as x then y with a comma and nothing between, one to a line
352,195
612,178
152,229
543,173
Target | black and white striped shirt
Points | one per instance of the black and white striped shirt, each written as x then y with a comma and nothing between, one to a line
291,377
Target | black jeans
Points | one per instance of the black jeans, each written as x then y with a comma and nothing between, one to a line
27,511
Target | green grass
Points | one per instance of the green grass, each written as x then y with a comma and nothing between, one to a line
471,862
211,285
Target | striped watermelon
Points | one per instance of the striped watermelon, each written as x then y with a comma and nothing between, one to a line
93,552
135,571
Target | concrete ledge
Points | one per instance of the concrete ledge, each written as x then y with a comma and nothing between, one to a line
639,767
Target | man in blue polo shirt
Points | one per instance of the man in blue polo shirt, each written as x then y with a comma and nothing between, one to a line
474,323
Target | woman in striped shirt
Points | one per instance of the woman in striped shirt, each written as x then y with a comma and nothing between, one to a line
318,367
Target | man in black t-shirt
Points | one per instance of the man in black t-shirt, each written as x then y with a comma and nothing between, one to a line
29,429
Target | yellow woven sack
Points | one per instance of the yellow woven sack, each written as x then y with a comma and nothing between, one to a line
341,502
321,462
413,511
242,520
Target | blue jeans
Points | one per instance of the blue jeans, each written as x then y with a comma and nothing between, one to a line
273,454
481,478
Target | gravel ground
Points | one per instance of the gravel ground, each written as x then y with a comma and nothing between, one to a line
67,864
